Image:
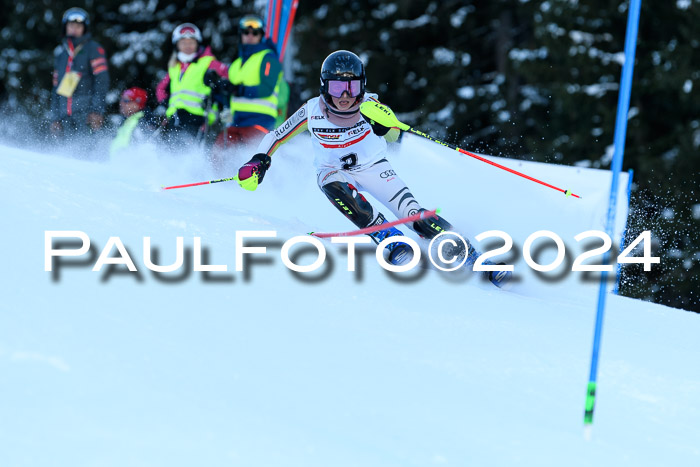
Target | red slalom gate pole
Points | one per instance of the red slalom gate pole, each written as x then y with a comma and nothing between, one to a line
197,184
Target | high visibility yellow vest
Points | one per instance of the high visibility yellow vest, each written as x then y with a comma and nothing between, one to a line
123,138
248,74
187,90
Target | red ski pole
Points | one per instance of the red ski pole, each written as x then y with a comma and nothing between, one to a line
384,116
375,228
198,183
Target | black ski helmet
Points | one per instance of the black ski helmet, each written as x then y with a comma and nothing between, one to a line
77,15
342,65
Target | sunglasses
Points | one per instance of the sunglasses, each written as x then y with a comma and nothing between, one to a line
250,31
337,88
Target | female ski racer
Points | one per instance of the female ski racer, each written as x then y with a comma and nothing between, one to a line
350,156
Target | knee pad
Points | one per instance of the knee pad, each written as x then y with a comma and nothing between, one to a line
350,202
431,226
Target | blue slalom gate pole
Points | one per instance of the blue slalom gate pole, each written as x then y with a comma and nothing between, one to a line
623,237
623,103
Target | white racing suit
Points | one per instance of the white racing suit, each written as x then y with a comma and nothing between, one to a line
349,158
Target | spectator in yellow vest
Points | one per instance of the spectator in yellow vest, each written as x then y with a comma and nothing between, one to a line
184,86
256,84
256,76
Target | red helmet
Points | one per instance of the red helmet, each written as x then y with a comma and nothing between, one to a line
138,95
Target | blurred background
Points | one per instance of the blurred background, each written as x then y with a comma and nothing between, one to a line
533,80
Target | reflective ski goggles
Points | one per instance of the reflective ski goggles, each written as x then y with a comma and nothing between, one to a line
126,98
188,32
337,88
75,18
250,22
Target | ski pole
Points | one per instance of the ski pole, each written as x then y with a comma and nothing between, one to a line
198,183
375,228
384,116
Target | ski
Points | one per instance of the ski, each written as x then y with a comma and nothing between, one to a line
376,228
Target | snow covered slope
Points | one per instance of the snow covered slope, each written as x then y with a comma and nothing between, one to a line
269,368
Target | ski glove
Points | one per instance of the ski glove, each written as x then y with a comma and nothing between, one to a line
379,130
238,90
221,92
253,172
211,77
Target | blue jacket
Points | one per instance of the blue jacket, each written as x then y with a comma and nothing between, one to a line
86,57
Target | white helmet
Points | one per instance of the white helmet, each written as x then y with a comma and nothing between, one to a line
187,30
